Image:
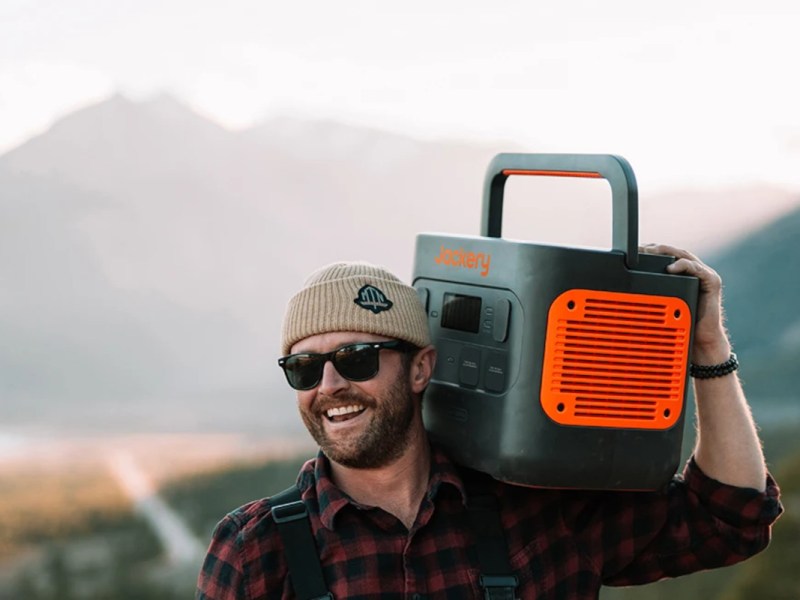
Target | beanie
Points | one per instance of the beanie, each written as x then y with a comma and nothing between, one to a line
355,296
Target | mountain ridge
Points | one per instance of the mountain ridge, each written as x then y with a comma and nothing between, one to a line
761,274
163,247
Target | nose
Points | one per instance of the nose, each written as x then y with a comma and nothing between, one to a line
331,381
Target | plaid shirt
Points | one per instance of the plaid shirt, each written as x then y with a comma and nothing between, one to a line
562,544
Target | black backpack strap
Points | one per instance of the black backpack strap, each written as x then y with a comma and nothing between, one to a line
497,578
291,516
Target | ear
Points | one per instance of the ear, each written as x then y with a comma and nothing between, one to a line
421,370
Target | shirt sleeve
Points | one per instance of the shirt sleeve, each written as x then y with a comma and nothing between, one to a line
221,576
706,524
699,523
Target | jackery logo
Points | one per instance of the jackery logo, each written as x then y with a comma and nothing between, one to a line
373,299
463,259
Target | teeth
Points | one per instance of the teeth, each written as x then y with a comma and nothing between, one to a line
344,410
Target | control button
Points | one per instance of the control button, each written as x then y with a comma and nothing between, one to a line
469,366
495,375
502,310
447,363
423,297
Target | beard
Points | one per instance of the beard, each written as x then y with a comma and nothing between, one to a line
381,442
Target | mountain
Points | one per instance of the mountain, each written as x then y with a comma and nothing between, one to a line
761,274
147,253
78,349
147,256
706,220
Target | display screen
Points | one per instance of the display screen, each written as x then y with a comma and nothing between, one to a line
461,312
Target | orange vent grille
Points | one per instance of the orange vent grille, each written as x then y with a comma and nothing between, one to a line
615,360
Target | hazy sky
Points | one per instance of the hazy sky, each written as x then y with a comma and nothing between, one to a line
700,92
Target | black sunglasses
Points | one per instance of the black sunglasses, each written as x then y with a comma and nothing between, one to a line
356,362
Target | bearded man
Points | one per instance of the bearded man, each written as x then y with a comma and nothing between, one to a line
381,512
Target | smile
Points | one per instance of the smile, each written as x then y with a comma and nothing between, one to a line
344,413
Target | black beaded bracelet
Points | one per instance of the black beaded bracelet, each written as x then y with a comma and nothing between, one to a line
711,371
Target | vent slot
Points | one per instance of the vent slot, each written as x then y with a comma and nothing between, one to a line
615,359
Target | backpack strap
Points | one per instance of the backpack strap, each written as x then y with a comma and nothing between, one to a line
497,578
294,528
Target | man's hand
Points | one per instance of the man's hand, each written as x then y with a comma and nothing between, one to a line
711,344
728,448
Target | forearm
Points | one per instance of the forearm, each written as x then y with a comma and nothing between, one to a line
728,448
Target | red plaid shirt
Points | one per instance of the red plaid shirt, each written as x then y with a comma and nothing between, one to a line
562,544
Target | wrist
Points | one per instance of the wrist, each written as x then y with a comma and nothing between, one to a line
714,371
712,351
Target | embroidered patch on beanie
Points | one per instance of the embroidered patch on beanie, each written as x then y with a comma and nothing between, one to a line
371,298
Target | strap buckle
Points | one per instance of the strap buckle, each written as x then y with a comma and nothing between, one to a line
499,587
291,511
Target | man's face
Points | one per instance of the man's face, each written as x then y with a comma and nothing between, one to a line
363,424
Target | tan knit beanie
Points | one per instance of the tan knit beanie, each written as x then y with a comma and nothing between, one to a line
355,296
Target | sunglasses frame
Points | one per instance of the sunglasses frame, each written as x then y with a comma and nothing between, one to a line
323,357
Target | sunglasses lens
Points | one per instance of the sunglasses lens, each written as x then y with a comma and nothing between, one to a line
358,362
304,371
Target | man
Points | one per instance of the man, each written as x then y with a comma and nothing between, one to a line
388,510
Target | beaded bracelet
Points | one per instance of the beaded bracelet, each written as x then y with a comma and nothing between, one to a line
710,371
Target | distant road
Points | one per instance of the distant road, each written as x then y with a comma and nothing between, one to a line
180,545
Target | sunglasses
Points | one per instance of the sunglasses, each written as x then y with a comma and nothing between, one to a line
354,362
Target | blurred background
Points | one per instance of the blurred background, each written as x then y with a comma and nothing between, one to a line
171,171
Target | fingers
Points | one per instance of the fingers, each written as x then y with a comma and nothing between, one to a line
686,263
709,279
687,266
668,250
709,332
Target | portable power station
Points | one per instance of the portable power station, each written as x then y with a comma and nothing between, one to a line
558,367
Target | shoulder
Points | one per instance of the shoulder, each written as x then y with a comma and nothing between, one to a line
250,521
244,551
253,521
520,507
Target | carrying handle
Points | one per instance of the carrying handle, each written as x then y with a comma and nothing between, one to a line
614,169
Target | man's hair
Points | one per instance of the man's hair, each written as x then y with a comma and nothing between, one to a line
406,360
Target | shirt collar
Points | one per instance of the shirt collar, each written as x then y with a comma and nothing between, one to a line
315,480
444,472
